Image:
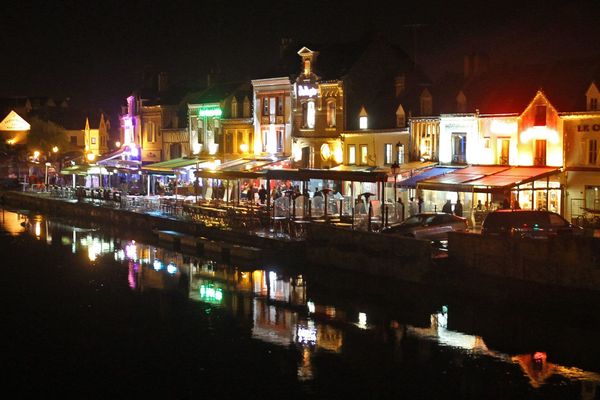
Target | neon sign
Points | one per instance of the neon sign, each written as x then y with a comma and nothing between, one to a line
307,91
210,111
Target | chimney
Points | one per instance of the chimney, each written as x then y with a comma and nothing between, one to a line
163,82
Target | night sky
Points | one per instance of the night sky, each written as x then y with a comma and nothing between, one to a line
93,51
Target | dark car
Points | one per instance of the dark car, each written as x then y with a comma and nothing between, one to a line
527,224
431,226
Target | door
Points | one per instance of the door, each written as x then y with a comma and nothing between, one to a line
540,153
305,156
459,148
175,150
504,152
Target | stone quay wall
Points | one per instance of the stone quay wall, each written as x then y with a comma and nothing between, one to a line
139,221
369,253
570,262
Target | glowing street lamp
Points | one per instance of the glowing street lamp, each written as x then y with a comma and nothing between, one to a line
55,149
118,144
46,176
91,157
36,154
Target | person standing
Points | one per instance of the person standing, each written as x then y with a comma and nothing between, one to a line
458,208
412,207
447,208
400,208
421,205
262,194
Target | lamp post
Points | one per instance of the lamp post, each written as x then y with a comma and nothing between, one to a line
46,176
395,168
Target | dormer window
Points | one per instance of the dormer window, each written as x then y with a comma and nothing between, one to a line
246,107
426,103
306,67
363,119
234,108
400,117
591,96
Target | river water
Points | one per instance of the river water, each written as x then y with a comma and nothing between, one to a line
96,313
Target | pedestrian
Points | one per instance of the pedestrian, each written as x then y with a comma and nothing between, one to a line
262,194
421,204
479,206
412,207
447,208
458,208
400,208
505,204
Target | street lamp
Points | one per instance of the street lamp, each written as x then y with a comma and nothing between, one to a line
55,149
395,168
46,177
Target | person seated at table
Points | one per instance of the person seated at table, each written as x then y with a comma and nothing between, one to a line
160,188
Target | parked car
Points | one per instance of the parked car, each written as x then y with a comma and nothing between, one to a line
431,226
527,224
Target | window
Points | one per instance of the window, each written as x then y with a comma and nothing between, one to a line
387,153
265,135
240,140
279,136
593,104
280,105
363,122
306,67
331,113
364,154
151,132
229,142
592,197
93,140
310,115
234,108
351,154
265,107
592,151
540,116
459,148
400,153
246,107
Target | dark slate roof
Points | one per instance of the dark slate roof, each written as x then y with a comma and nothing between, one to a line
510,89
219,92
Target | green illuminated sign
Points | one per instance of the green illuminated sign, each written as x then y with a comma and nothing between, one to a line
210,294
210,111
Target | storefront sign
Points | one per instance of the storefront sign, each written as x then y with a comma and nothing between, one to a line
307,91
13,122
588,128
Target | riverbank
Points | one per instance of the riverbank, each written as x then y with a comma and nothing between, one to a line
367,254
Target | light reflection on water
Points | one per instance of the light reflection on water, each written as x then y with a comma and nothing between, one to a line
277,306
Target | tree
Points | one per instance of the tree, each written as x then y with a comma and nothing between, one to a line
44,135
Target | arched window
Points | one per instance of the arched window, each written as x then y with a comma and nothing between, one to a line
234,108
331,113
246,106
310,115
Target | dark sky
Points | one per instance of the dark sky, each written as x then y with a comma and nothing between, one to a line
91,50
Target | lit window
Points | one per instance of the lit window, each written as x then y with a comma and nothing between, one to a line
279,136
331,113
279,105
351,154
592,151
265,135
306,67
400,155
93,140
387,153
364,154
265,106
310,115
362,122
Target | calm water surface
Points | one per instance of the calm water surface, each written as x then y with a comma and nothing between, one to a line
94,313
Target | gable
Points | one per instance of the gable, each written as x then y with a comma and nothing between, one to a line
14,122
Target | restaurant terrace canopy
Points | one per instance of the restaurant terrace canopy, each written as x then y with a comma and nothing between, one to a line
170,166
486,178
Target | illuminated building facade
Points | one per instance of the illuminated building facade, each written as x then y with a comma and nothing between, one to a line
272,117
96,139
149,114
346,88
220,121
